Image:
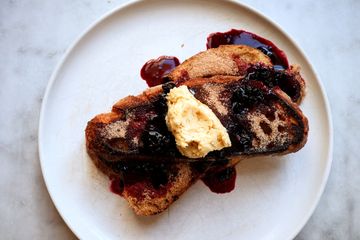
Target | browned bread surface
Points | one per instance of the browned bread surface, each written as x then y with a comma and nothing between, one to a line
225,60
154,201
147,200
110,138
122,128
233,60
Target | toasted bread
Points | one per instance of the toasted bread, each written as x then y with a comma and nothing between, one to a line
259,120
150,180
230,60
235,60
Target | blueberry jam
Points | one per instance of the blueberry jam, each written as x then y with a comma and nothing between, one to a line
135,176
241,37
147,174
154,71
244,99
222,181
117,186
272,77
156,139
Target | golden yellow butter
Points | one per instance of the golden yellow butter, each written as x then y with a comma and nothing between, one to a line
196,128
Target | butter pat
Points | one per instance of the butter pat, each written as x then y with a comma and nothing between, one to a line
196,128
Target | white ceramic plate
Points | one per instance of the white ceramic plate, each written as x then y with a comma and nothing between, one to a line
273,197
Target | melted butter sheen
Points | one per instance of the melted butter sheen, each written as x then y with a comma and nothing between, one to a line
196,128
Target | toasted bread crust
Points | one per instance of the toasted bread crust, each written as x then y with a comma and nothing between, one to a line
148,204
207,71
295,71
135,101
227,60
182,179
151,205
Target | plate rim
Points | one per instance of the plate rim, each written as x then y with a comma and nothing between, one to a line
252,10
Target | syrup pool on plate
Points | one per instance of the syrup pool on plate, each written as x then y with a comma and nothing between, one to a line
154,71
241,37
222,181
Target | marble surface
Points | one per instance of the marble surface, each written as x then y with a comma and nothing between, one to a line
34,34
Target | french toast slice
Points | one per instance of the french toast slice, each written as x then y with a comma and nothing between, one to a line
132,145
230,60
241,60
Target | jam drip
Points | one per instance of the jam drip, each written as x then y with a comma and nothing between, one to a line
154,71
157,139
134,177
241,37
117,186
222,181
272,77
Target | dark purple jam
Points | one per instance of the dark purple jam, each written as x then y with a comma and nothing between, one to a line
272,77
222,181
134,177
241,37
158,140
117,186
154,71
